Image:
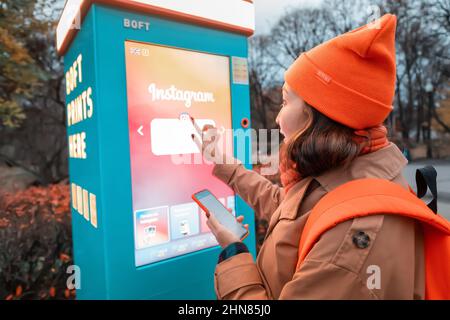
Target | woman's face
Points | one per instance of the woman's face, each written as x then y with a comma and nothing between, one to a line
292,116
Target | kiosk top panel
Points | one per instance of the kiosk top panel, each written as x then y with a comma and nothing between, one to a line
231,15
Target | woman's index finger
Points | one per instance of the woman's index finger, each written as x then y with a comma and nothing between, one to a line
196,127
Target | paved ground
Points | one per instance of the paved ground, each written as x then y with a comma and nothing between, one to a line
443,182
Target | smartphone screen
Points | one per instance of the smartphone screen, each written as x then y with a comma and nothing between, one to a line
213,206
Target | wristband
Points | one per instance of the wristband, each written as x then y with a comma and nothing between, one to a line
232,250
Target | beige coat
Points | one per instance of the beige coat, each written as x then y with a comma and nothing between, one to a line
335,268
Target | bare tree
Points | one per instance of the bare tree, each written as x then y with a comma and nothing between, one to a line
39,145
298,31
422,53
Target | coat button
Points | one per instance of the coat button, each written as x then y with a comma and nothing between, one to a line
361,239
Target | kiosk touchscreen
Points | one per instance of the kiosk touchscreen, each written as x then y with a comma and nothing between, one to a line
134,69
162,83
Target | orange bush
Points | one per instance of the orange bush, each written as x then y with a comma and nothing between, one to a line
36,243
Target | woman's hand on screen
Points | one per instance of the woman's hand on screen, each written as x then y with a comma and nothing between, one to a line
206,141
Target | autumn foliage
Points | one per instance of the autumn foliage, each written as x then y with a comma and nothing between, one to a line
35,243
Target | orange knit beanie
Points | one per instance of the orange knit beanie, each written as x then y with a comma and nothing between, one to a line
350,78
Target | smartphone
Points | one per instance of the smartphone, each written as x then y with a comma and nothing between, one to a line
211,205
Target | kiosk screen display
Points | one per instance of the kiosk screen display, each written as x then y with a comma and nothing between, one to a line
166,165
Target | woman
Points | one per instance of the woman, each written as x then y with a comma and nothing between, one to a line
331,94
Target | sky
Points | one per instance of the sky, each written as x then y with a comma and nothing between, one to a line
269,11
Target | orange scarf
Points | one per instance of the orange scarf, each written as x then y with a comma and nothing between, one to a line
372,140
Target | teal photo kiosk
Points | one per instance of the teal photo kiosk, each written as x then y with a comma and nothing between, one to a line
133,70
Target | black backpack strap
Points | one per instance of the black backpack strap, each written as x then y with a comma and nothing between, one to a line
426,178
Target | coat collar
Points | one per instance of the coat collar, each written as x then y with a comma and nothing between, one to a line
293,198
386,163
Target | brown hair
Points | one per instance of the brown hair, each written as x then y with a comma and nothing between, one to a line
323,144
